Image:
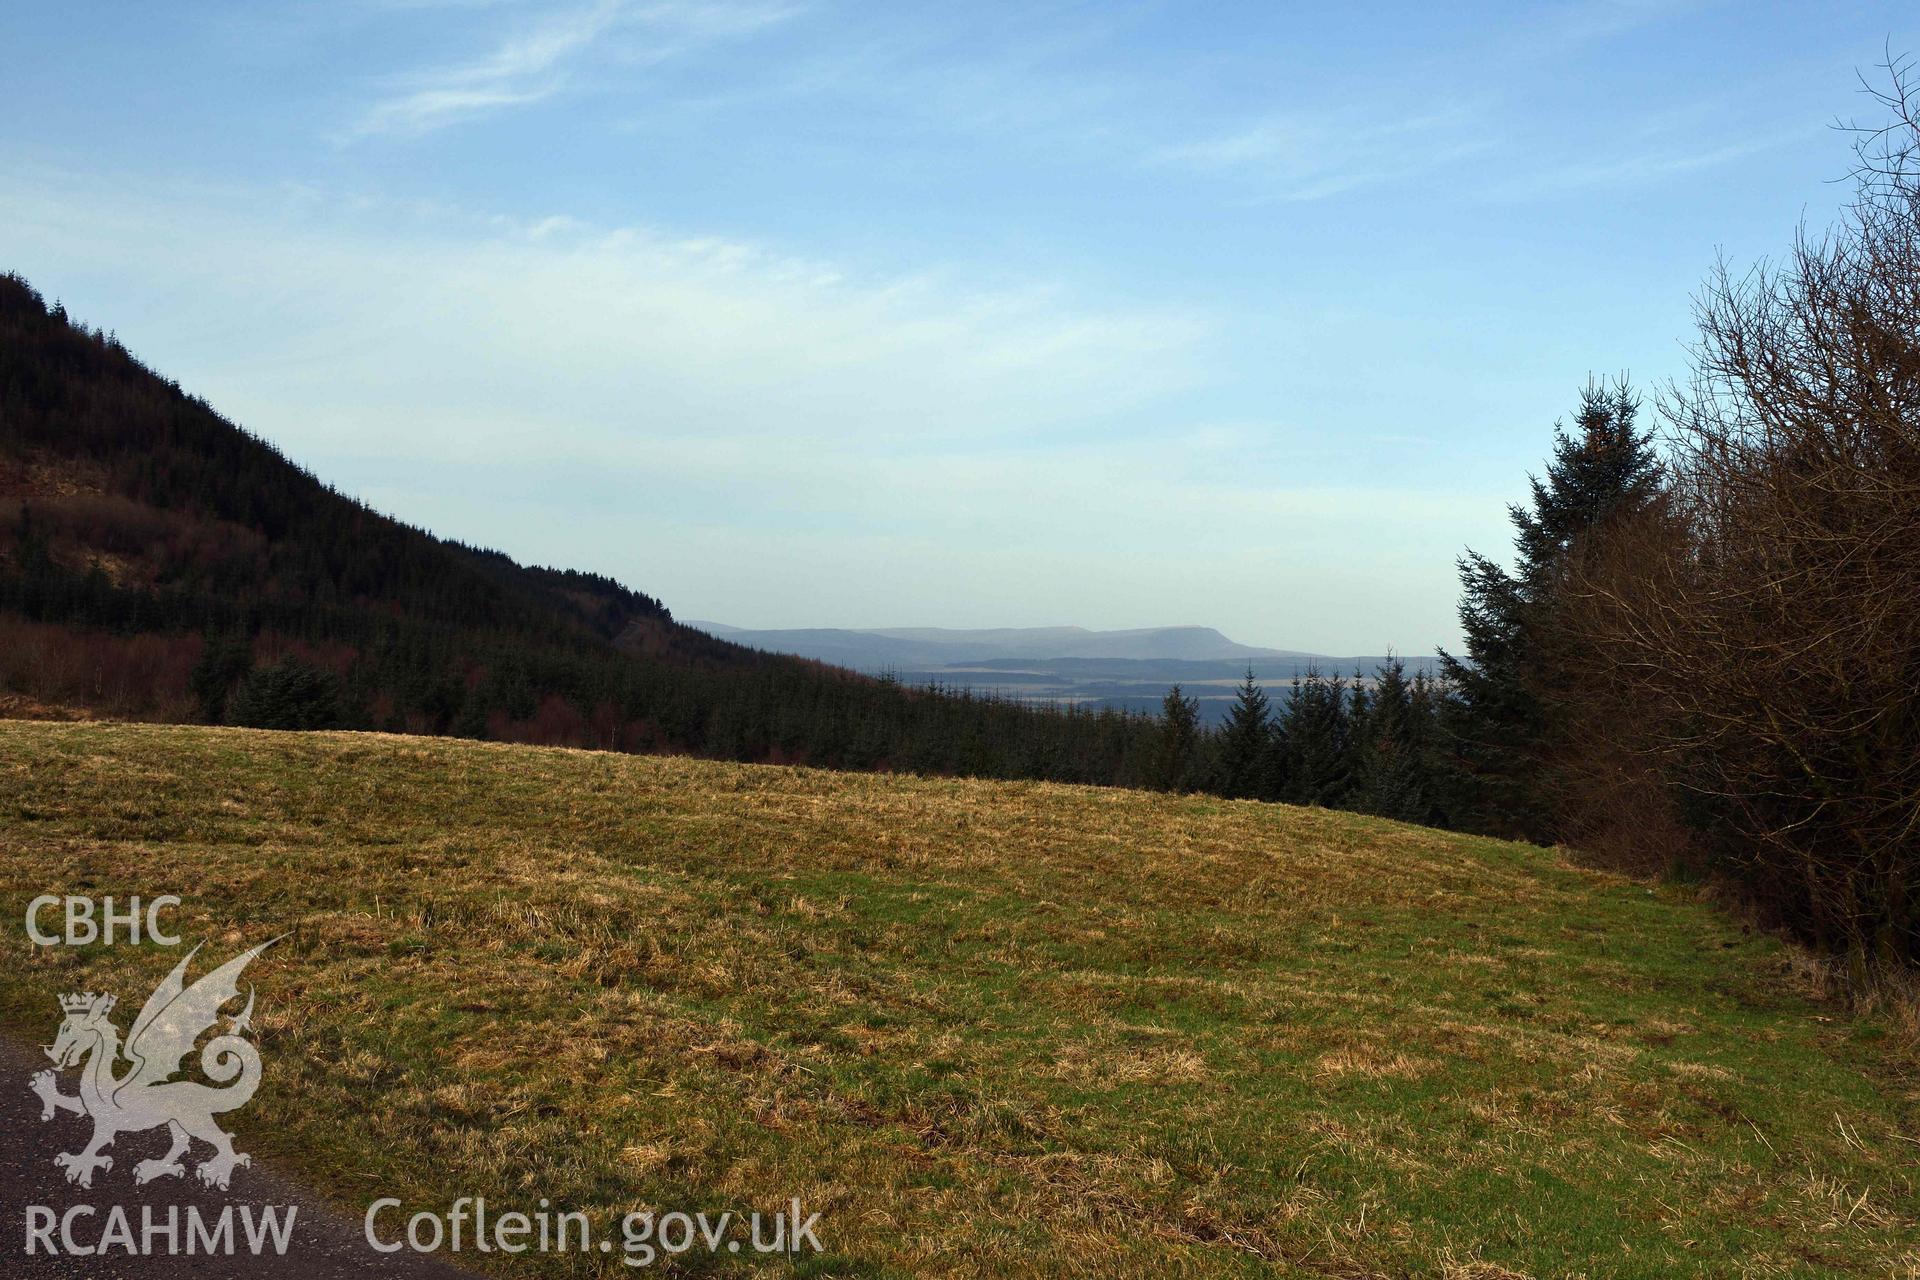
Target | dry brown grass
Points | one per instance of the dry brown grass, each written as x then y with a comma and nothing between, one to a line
984,1029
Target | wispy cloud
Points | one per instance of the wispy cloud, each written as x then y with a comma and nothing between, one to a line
537,61
1314,155
681,396
1639,168
1552,29
1315,150
582,324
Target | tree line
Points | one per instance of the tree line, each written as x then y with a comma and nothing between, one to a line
1369,743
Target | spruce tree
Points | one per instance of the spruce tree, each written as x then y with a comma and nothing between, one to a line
1424,701
471,720
1497,722
1246,744
224,661
1392,780
1315,731
1177,757
1356,744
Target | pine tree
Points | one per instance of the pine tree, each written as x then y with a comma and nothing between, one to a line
1175,765
1425,701
1246,744
1356,744
1315,733
1606,469
224,661
1392,781
471,721
1498,725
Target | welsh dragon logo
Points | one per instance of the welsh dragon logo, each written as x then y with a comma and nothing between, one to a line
145,1095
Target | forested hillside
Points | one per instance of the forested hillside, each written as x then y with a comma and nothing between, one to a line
158,562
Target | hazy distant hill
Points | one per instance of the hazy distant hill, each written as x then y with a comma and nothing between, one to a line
1125,670
892,647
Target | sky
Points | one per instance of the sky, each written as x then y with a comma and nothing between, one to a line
819,313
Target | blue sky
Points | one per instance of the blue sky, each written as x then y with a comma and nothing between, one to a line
808,313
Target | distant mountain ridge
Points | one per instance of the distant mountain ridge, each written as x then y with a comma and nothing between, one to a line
1094,670
883,648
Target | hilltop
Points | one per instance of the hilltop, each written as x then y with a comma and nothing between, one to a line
984,1028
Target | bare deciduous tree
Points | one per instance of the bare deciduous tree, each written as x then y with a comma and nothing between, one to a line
1765,624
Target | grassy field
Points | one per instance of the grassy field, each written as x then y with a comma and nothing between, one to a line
982,1028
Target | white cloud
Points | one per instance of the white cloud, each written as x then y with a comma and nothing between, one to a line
538,61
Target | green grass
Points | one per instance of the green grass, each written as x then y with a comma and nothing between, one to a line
984,1029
